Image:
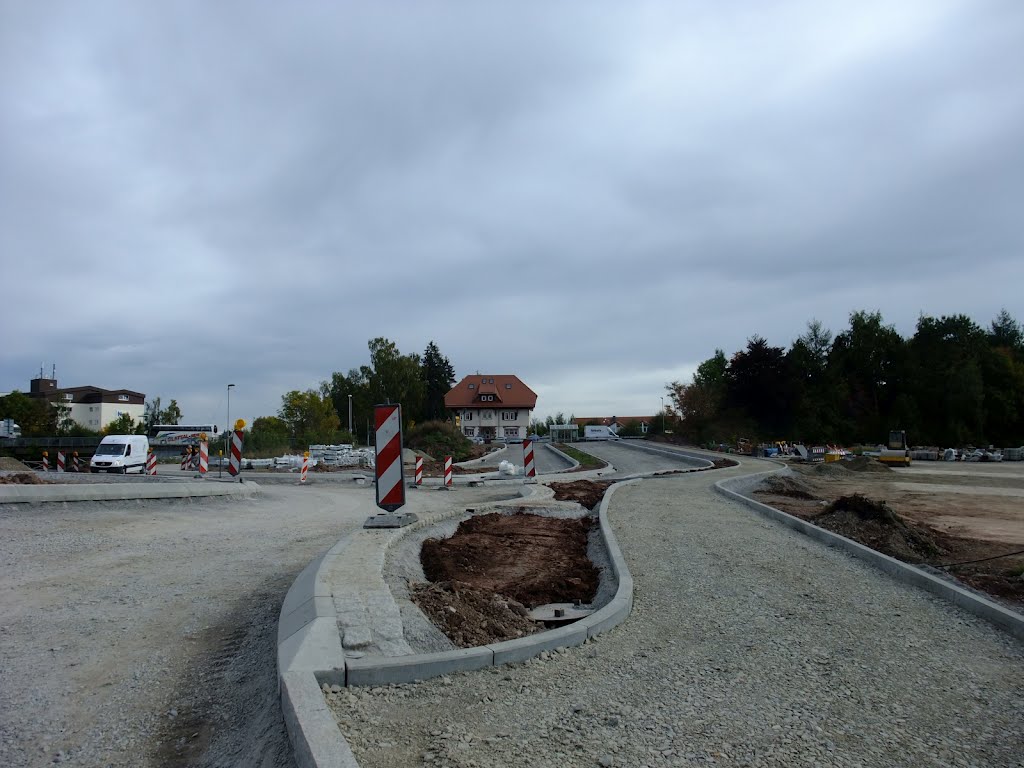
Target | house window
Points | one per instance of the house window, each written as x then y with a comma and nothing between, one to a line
68,396
472,386
488,415
469,431
509,415
508,386
467,416
511,431
123,398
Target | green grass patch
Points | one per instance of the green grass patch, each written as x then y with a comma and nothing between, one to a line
585,459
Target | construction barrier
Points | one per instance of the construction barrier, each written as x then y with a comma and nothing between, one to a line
46,461
204,457
389,471
75,465
60,461
151,463
235,462
447,471
529,469
305,466
184,461
419,470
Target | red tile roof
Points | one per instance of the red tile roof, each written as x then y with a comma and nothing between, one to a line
508,392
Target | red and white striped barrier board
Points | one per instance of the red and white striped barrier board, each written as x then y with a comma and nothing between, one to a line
529,469
235,463
390,474
305,466
184,461
46,462
60,461
447,471
75,465
151,464
204,457
419,470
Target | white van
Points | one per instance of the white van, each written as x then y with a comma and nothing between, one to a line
121,454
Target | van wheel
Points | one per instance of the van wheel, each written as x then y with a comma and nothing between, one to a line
124,470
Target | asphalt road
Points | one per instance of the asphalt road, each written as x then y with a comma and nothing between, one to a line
628,458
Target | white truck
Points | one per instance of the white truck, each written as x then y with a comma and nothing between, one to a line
120,454
596,432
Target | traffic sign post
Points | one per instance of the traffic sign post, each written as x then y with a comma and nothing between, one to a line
389,472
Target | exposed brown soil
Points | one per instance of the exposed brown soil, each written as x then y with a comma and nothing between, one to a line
470,616
495,566
938,517
22,478
587,493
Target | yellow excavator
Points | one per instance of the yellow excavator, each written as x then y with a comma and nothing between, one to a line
897,452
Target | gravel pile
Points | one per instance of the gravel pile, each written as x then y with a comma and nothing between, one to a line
748,645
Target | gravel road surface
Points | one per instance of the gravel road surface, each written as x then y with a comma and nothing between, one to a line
144,633
748,645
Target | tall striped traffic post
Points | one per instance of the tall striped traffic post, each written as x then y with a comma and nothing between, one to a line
448,472
46,461
388,469
529,468
60,461
419,470
305,466
204,455
75,465
185,460
235,462
151,463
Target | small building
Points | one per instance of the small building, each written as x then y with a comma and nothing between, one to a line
91,407
492,407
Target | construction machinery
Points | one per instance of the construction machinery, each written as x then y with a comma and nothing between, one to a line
897,452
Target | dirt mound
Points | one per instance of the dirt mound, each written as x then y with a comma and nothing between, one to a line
830,469
865,464
22,478
532,559
12,465
875,525
470,616
586,492
786,486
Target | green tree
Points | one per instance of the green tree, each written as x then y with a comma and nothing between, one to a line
268,436
34,415
438,378
814,418
155,414
394,378
759,384
338,390
122,425
310,417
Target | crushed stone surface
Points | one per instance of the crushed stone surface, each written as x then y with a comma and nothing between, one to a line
748,645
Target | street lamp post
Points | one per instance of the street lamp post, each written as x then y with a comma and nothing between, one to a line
662,398
227,430
350,416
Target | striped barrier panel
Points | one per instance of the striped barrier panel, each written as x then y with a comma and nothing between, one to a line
76,465
447,471
419,470
235,462
46,461
204,457
60,461
389,471
151,464
305,466
529,468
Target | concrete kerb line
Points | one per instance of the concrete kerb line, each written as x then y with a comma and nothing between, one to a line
1009,621
71,492
310,654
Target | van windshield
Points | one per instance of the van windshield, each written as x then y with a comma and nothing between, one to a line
111,449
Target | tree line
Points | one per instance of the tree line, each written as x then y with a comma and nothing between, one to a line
952,383
320,416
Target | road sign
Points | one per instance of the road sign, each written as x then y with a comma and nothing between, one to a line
390,474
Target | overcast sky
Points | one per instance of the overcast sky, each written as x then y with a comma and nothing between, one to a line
593,196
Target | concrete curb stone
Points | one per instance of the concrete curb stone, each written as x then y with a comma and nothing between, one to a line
56,493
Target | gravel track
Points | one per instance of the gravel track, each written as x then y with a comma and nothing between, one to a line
144,633
748,645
